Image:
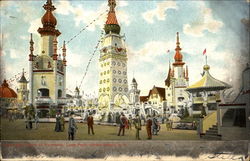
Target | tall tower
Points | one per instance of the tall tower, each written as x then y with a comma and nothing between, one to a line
47,70
177,80
113,85
22,91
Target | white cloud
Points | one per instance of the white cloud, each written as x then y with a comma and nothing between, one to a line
159,12
122,3
13,53
205,22
83,15
34,25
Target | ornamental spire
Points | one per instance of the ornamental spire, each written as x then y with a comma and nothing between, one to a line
55,48
178,56
31,56
112,5
64,53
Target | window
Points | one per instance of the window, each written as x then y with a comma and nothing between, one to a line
126,89
104,81
108,72
114,80
43,92
113,62
124,73
104,89
114,71
59,93
119,72
107,80
120,80
125,81
100,90
119,64
108,89
114,88
100,81
120,89
123,64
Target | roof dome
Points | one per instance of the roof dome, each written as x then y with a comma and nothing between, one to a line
6,92
178,56
49,19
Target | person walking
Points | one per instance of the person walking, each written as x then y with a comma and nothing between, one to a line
90,122
155,125
72,127
122,124
148,127
58,124
36,121
137,123
62,122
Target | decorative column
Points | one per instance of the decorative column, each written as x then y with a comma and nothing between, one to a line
65,64
31,59
55,69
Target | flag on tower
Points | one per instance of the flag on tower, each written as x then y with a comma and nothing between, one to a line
204,52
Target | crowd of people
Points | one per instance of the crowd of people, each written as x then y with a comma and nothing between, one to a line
152,124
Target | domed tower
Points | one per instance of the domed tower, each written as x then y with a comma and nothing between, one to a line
177,80
47,70
22,91
113,85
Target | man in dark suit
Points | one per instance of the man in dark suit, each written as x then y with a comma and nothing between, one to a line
122,124
90,122
72,127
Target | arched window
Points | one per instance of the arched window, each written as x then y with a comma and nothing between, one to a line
59,93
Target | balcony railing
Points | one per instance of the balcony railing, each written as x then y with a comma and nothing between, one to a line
210,99
62,101
43,99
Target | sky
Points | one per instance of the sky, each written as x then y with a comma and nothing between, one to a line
150,29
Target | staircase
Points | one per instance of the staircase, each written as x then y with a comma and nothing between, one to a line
212,134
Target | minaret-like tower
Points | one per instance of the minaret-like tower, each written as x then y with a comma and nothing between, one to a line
113,85
22,91
47,71
177,80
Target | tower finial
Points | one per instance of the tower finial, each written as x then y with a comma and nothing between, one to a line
178,56
31,56
177,42
112,4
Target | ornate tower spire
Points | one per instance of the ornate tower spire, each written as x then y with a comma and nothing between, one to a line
31,56
178,56
49,21
112,23
64,53
112,5
55,48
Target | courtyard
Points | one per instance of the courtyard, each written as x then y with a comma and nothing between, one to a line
16,131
